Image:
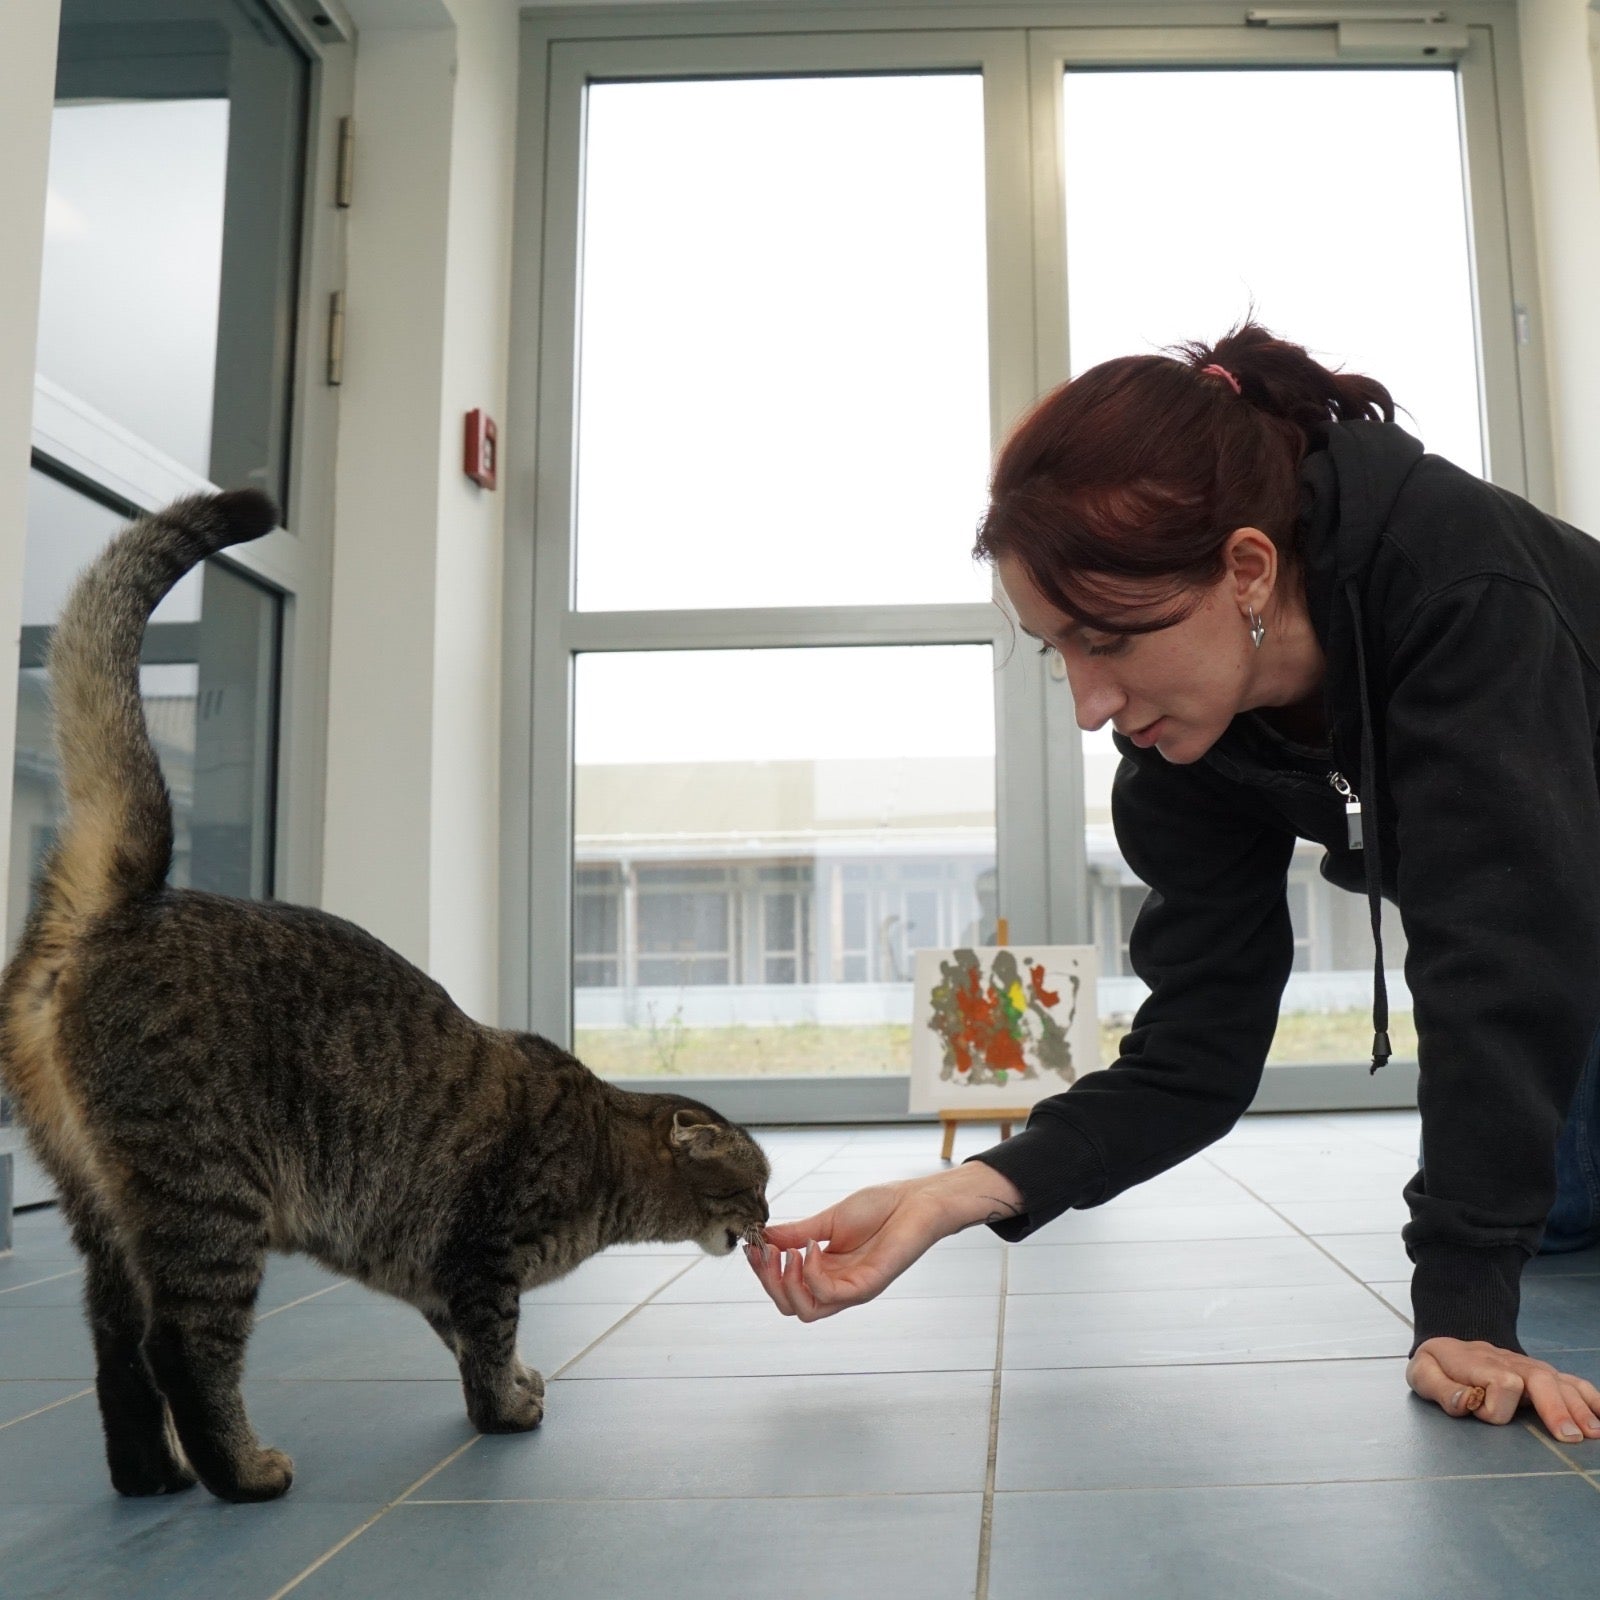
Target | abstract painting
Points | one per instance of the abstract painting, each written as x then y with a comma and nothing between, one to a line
1001,1025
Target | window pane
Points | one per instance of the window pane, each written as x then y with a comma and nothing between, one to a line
172,227
1387,292
210,663
699,799
1368,266
784,395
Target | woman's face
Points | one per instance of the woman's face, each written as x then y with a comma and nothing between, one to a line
1176,689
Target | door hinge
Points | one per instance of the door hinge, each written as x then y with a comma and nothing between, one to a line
344,176
336,338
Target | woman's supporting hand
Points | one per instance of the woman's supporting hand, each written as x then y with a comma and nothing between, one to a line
854,1250
1451,1370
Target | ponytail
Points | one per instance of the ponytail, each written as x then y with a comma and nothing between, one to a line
1282,380
1119,490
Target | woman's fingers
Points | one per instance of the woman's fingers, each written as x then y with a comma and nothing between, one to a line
1432,1383
796,1235
1454,1374
1562,1406
767,1264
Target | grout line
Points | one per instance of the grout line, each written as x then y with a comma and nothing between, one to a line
986,1527
84,1393
66,1399
1295,1483
355,1533
712,1499
456,1454
660,1288
316,1294
947,1494
1555,1447
33,1283
1312,1240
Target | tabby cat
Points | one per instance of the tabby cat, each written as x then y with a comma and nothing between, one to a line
209,1079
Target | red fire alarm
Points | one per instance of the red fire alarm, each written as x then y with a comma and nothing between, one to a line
482,452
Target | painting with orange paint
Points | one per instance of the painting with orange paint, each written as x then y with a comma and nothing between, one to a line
1009,1020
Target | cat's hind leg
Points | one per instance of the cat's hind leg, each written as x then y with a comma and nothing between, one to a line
202,1256
142,1449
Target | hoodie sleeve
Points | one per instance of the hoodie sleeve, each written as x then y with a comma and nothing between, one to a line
1490,736
1213,941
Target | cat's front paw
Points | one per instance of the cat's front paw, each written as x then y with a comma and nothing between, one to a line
530,1380
517,1412
261,1475
143,1475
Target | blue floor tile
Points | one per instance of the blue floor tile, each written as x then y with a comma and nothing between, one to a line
1194,1325
190,1545
704,1341
914,1547
350,1442
1191,1264
40,1283
1294,1422
1558,1313
643,1438
355,1334
44,1342
612,1280
1237,1219
1473,1539
22,1398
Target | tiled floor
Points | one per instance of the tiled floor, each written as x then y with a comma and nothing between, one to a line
1195,1391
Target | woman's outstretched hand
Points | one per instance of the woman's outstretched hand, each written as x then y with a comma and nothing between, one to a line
854,1250
1483,1380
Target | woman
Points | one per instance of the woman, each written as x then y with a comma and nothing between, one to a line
1299,625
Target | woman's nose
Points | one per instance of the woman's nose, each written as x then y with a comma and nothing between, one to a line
1095,699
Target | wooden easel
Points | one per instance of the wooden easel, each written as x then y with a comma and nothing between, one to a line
949,1119
1004,1116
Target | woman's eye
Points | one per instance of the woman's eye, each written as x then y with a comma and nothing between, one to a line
1046,649
1112,647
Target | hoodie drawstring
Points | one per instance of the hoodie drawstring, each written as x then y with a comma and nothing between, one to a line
1372,850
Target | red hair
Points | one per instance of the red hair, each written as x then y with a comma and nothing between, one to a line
1120,489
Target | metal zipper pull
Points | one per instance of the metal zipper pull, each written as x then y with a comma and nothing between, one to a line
1352,809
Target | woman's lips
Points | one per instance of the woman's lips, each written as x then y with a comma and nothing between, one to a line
1146,737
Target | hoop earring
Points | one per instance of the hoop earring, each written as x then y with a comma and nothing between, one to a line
1258,629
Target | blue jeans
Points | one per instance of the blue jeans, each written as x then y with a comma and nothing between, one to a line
1574,1220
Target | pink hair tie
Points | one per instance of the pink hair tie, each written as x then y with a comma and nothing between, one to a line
1222,372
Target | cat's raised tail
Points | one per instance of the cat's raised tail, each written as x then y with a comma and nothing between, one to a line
115,841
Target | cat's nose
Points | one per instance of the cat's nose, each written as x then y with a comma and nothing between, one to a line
765,1214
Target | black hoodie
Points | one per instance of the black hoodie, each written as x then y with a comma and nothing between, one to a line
1474,620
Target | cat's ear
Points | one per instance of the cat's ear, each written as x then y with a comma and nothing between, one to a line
697,1139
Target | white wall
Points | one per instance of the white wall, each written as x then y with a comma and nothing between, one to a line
411,845
465,859
1560,45
27,92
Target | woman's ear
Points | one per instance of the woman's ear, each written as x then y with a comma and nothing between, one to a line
1251,562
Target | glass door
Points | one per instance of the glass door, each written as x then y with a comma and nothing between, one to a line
761,634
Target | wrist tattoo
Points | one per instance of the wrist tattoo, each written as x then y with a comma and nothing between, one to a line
1004,1211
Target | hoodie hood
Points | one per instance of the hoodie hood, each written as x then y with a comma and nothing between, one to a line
1349,482
1348,489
